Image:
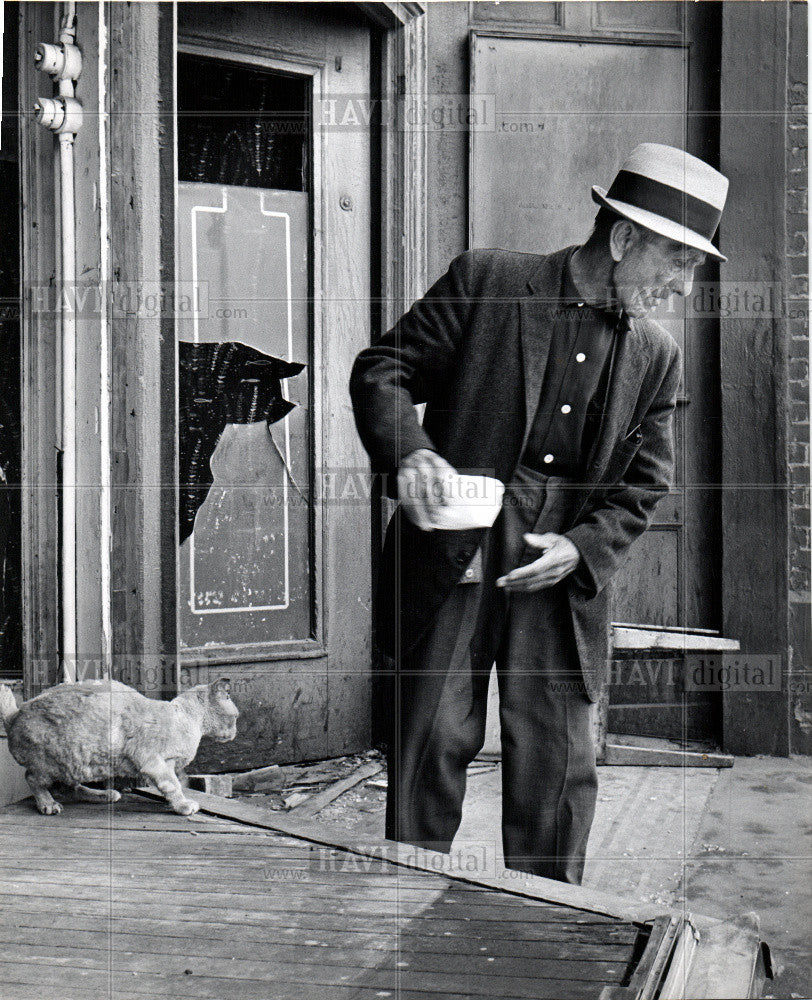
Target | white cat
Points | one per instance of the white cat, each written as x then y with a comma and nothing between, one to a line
98,730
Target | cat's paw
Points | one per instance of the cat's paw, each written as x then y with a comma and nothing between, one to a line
50,808
115,795
187,807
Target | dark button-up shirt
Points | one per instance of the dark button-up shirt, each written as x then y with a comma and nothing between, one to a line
573,391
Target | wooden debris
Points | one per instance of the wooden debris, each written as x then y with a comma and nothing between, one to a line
212,784
295,799
273,783
247,780
619,753
321,799
277,776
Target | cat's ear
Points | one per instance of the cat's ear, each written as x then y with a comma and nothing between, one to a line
221,688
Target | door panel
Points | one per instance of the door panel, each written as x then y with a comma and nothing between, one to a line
567,113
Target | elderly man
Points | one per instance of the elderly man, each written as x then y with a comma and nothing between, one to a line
546,373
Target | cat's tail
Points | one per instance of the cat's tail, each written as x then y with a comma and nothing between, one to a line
8,706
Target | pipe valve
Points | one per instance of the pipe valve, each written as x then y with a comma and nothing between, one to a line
59,114
62,62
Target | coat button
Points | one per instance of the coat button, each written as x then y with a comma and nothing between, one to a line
566,408
548,459
580,357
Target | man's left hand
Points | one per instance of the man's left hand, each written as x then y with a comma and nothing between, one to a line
559,559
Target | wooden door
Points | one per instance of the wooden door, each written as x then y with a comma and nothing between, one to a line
571,100
273,229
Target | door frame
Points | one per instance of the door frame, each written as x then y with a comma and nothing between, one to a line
39,333
41,359
400,262
403,183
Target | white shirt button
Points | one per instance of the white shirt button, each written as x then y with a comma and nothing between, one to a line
580,357
548,459
566,408
469,573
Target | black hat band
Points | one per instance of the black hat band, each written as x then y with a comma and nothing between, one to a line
668,202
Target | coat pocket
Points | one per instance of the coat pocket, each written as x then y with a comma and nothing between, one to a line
623,454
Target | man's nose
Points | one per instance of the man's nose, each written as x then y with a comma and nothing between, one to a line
683,285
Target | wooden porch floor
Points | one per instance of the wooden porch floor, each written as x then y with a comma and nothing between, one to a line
132,901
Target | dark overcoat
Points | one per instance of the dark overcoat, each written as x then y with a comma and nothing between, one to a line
474,350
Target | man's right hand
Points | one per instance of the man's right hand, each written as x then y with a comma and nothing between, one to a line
423,482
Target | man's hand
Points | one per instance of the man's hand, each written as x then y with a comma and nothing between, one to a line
560,558
423,479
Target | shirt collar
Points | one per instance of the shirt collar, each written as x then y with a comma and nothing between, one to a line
614,316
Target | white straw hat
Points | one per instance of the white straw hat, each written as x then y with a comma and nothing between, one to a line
670,192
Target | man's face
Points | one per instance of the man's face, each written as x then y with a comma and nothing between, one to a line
651,269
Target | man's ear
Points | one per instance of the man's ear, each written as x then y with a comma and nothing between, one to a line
621,238
220,688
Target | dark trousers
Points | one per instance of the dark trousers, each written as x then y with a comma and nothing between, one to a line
549,778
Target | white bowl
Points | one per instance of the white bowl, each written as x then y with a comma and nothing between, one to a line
468,502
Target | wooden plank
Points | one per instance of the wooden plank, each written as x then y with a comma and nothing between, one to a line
658,934
680,962
647,976
530,886
51,972
195,989
284,903
627,755
673,642
383,889
667,628
147,935
729,961
318,801
266,878
441,927
664,945
314,962
22,991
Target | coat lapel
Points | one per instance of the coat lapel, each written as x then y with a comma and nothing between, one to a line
631,362
536,324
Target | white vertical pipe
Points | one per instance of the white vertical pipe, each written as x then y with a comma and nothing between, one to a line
68,317
175,147
68,323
